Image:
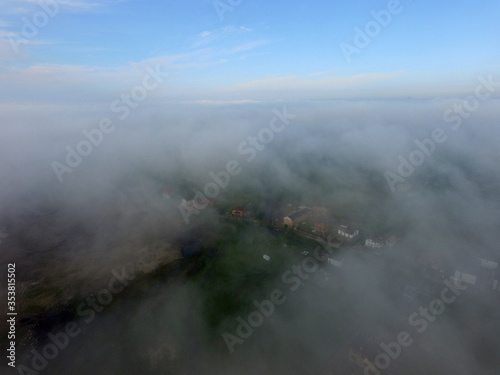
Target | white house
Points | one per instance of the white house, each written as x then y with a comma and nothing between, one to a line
480,271
460,277
347,231
377,242
374,242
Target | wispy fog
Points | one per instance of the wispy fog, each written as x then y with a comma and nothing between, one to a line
121,205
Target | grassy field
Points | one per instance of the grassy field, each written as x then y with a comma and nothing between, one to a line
231,281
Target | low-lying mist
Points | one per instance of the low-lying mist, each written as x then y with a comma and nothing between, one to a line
81,199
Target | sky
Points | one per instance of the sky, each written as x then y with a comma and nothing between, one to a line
252,50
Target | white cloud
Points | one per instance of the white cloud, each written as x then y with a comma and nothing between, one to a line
211,36
23,7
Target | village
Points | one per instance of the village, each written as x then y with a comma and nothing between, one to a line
418,278
318,224
363,351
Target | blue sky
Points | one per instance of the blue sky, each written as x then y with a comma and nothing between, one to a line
260,50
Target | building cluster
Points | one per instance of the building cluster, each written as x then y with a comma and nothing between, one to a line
482,273
321,224
470,270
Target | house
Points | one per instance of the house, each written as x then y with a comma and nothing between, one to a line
297,217
391,240
347,231
488,264
237,212
464,277
375,242
336,261
467,272
476,271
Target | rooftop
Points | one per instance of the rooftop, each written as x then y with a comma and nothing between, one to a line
300,213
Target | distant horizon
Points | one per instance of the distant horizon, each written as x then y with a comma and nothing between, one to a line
255,52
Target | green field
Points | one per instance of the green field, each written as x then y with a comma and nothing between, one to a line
231,281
